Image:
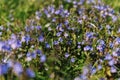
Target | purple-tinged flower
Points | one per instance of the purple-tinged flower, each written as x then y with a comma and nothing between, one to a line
111,45
111,62
108,27
57,12
88,48
38,15
66,22
61,29
23,39
108,57
78,46
101,42
51,9
113,69
47,13
28,57
30,73
3,69
17,68
101,48
93,71
89,35
114,18
99,67
14,43
27,38
27,29
60,39
0,33
75,3
6,48
117,41
54,20
47,45
83,77
114,53
10,63
80,21
49,29
1,45
85,70
58,26
13,36
41,38
32,27
38,27
59,34
43,58
72,60
39,52
66,34
56,42
33,55
67,55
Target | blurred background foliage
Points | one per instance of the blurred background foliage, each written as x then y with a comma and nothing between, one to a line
23,9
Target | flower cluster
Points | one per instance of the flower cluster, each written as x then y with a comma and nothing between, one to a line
79,37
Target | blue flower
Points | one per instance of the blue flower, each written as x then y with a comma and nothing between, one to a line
58,34
17,68
38,27
72,60
38,15
3,69
6,47
111,45
113,69
114,18
83,77
27,29
101,48
9,63
117,41
60,39
108,57
89,35
39,52
111,62
87,48
93,71
85,70
33,55
101,42
41,38
99,67
27,38
56,42
1,45
47,45
30,73
43,58
67,55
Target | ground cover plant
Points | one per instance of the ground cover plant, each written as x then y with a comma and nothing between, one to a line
59,40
